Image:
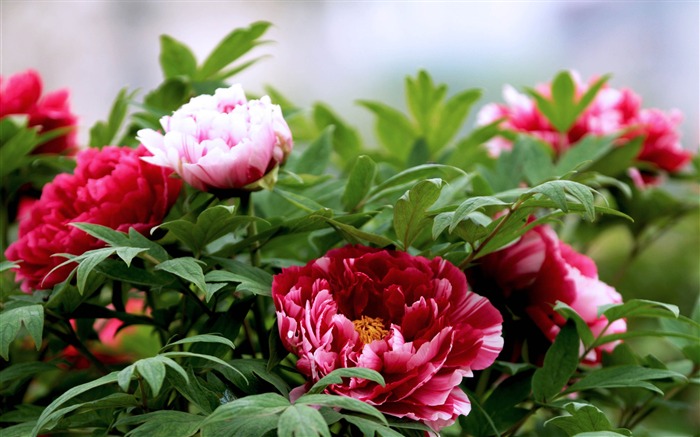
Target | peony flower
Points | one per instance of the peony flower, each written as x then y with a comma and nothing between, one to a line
611,111
112,187
409,318
20,94
221,141
527,279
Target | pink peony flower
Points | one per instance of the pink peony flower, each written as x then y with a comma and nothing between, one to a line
20,94
111,187
409,318
612,111
527,279
221,141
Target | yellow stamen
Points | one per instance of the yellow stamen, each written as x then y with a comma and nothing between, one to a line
370,328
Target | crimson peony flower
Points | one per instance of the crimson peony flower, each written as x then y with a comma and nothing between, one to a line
526,280
612,111
20,94
409,318
221,141
111,187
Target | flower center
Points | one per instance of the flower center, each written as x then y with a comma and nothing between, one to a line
370,328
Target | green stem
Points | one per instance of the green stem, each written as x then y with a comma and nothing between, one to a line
464,264
72,339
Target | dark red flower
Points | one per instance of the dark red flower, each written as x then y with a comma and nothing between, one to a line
112,187
409,318
20,94
527,279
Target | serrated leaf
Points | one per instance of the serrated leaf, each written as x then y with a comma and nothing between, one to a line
233,46
186,268
12,319
410,209
176,59
302,421
560,362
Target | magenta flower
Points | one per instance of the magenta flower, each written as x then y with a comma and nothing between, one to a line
221,141
111,187
20,94
527,279
410,318
612,111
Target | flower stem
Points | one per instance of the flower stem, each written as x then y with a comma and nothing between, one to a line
255,260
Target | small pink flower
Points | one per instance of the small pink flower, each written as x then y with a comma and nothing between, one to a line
611,111
20,94
222,141
527,279
112,187
409,318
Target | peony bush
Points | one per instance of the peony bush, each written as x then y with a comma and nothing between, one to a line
213,265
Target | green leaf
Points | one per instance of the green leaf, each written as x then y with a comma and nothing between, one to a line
584,331
584,418
623,376
302,421
314,159
394,129
359,182
207,338
410,210
233,46
169,96
343,402
186,268
352,234
471,205
19,430
346,140
589,149
423,98
250,415
104,133
337,375
401,181
164,423
619,159
469,150
12,319
52,413
176,59
153,371
451,117
15,375
371,428
563,95
639,308
14,149
560,362
252,279
557,191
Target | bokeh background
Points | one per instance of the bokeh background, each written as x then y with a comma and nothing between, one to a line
340,51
